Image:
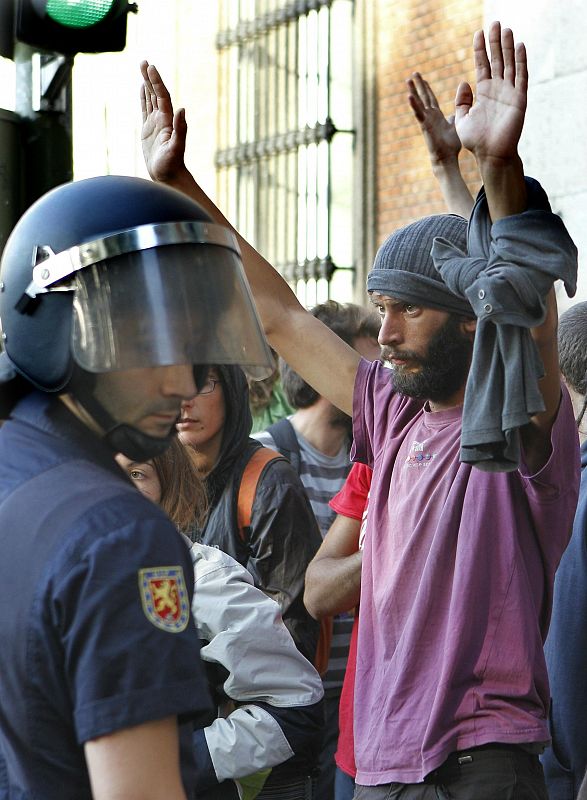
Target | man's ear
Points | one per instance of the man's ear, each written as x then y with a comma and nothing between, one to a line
468,327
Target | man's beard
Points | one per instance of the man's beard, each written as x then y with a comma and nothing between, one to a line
442,372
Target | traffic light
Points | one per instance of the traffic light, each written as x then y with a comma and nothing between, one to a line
7,28
72,26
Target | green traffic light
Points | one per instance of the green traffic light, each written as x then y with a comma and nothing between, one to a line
78,13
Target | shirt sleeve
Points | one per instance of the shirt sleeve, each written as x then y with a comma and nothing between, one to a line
552,492
245,635
562,471
351,499
122,608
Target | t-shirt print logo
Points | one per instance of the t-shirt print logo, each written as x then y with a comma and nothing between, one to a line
419,456
164,598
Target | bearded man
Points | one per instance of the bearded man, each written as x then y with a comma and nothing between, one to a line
474,453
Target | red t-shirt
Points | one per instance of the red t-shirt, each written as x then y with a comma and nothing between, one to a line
351,502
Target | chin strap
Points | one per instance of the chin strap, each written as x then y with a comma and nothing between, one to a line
120,437
136,445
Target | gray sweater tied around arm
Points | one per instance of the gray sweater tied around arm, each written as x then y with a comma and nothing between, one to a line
506,275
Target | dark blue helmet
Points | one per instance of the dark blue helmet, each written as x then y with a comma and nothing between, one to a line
113,263
116,273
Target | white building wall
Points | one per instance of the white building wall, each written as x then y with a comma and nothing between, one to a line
178,37
554,143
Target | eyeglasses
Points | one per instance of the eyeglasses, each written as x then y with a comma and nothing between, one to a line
208,387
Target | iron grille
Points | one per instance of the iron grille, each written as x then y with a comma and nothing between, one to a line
285,155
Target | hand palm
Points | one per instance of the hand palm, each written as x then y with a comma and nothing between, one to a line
440,134
158,144
491,128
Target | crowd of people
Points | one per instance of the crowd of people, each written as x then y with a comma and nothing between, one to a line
359,598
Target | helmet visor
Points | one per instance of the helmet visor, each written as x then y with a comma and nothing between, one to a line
178,304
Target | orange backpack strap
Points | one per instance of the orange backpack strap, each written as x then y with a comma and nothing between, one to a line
324,644
248,486
246,495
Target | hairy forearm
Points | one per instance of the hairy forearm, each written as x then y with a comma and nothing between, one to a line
504,185
333,585
183,180
455,192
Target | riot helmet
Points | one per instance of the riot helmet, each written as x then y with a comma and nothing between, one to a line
116,273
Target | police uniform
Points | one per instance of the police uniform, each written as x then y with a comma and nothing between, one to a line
95,626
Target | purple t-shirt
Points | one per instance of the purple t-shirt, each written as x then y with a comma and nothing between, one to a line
456,586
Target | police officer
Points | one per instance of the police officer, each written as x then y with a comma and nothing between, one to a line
111,290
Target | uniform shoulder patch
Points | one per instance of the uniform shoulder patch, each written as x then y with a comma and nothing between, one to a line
164,597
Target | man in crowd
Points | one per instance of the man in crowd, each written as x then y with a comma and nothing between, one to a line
474,455
565,762
104,318
333,585
317,440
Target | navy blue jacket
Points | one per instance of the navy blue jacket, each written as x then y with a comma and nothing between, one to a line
565,762
95,607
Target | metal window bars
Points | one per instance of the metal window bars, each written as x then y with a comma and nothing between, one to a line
285,136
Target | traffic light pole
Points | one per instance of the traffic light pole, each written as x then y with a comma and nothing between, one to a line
11,174
43,103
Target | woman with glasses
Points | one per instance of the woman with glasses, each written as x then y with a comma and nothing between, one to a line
277,542
282,537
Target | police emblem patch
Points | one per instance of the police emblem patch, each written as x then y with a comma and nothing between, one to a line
164,597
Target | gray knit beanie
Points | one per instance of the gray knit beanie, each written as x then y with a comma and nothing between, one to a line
404,268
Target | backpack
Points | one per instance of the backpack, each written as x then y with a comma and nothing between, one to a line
246,495
283,434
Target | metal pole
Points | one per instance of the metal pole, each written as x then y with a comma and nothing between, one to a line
43,102
11,174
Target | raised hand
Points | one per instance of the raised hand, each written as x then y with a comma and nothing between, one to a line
490,126
443,145
163,134
438,131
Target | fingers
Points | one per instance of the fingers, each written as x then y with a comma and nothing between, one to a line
521,68
143,67
509,60
463,100
180,129
154,94
421,97
420,90
415,102
148,97
482,68
145,97
160,96
495,50
515,65
505,60
424,91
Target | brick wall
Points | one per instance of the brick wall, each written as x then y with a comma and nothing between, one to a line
433,37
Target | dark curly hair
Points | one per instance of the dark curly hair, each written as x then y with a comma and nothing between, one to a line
347,320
